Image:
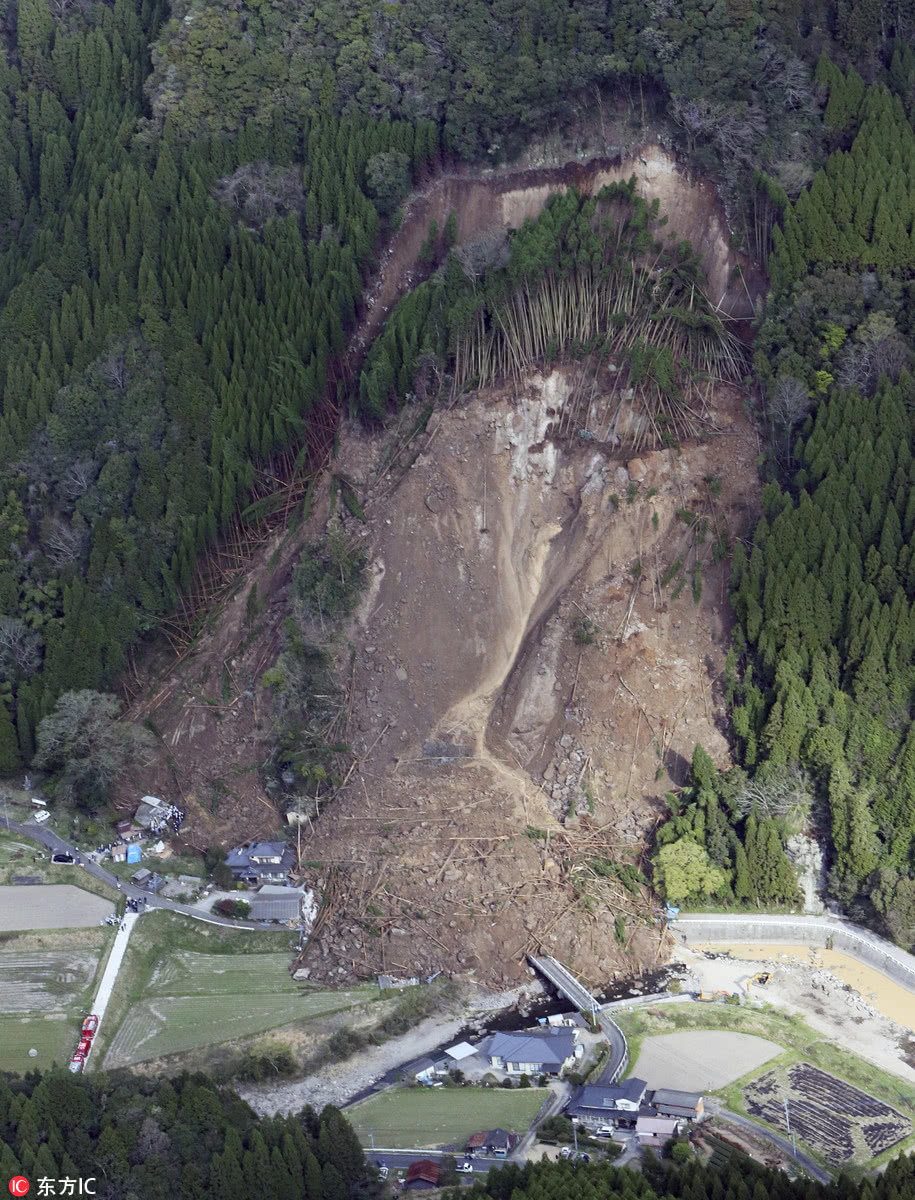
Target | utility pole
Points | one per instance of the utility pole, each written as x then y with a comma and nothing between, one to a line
788,1127
575,1134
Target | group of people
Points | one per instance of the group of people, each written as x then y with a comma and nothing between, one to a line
172,814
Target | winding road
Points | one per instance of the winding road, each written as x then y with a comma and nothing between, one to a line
57,845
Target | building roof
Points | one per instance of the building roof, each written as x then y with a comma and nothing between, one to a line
461,1051
278,889
149,808
240,858
141,876
275,908
476,1140
657,1126
424,1169
598,1098
418,1065
499,1139
550,1048
267,850
676,1099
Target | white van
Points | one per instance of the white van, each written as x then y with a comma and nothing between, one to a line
41,816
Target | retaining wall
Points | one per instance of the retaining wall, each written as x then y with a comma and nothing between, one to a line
858,943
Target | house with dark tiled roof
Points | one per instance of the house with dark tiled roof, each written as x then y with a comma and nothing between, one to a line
670,1103
617,1106
543,1052
262,862
498,1142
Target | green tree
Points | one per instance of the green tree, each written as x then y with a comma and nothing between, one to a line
686,872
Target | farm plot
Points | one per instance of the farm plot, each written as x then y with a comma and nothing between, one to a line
187,974
839,1121
51,906
44,981
171,1024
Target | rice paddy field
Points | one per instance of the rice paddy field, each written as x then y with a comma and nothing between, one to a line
44,994
185,986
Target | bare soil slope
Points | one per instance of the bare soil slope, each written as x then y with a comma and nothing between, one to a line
501,756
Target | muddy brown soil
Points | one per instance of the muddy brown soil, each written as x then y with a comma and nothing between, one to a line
509,755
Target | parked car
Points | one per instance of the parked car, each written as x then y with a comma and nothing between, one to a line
85,1045
90,1025
41,817
605,1131
382,1170
63,859
466,1168
77,1062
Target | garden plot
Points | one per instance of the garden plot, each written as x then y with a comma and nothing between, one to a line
44,981
171,1024
839,1121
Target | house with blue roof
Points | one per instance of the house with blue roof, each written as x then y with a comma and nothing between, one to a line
541,1052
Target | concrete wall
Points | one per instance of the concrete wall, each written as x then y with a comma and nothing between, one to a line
851,939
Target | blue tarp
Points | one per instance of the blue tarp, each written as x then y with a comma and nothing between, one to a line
133,853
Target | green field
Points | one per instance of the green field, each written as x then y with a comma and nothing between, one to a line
155,1028
431,1117
185,985
54,1037
187,974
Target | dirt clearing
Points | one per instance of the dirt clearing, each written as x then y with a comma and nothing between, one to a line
51,906
701,1062
848,975
802,982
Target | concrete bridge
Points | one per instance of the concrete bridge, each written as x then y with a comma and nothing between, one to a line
577,994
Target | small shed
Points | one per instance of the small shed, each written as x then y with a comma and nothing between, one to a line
141,877
119,854
422,1175
670,1103
656,1131
276,908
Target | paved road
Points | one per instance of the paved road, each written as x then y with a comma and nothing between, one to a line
812,1168
112,966
565,982
57,845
